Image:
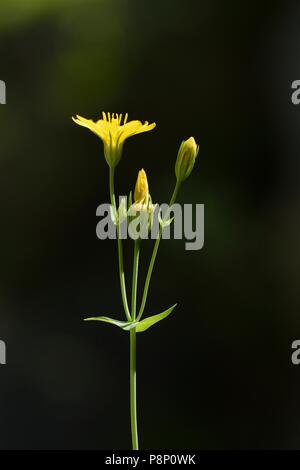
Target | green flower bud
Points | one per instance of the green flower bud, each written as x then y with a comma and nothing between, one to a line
186,157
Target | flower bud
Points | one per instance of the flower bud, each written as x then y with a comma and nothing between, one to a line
141,192
186,157
142,207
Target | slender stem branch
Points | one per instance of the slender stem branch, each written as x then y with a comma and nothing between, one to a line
154,253
136,256
120,246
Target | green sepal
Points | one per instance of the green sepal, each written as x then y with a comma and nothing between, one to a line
143,325
130,199
113,215
122,211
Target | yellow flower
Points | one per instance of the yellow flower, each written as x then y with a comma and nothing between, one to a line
186,157
113,133
141,192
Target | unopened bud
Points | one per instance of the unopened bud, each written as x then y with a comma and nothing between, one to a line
141,192
186,157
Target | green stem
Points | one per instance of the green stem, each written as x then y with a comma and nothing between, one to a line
133,407
120,246
153,257
133,411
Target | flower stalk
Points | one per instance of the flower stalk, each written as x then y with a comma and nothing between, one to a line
120,246
154,254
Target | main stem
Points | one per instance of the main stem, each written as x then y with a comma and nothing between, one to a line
133,410
133,407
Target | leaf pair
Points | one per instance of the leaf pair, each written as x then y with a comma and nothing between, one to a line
139,326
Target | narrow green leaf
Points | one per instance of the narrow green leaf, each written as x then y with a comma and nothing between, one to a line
139,326
147,322
125,325
164,223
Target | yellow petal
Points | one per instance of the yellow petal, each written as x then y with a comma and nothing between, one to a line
97,127
133,128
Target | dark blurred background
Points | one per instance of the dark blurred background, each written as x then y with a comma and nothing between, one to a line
217,374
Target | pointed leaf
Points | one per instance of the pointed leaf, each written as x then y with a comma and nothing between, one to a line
148,322
125,325
164,223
